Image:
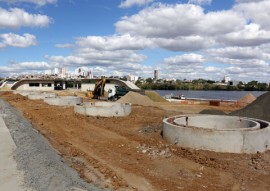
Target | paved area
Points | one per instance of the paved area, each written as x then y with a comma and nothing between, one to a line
10,178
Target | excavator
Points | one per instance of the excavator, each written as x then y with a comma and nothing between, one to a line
99,92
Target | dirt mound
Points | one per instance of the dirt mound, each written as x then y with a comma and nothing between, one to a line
212,112
136,98
155,96
247,99
257,109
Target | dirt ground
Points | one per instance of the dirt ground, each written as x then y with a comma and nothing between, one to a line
129,153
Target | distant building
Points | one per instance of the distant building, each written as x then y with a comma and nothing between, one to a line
156,74
63,73
233,83
56,71
84,72
226,79
132,78
48,72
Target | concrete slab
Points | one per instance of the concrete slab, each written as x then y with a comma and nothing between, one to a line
11,178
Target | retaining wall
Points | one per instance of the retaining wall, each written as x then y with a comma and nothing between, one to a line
63,100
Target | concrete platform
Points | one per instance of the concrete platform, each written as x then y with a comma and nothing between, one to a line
41,96
104,109
11,179
230,134
64,100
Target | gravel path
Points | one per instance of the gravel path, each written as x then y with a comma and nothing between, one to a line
44,169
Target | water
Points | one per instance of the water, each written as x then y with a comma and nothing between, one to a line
211,94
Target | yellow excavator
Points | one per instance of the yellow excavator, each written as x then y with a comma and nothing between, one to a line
98,92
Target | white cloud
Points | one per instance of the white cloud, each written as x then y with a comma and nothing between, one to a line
255,11
67,45
24,67
200,2
189,43
163,21
196,30
115,42
37,2
11,39
185,60
251,35
240,53
130,3
212,69
16,18
248,1
183,66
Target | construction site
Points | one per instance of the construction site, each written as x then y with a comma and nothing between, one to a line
69,140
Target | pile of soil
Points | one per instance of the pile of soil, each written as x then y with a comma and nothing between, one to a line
247,99
136,99
155,96
258,109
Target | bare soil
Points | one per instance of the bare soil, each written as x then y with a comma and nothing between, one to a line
129,153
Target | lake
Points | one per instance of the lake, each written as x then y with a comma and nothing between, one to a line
211,94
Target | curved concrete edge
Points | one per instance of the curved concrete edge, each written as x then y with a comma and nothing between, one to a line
63,100
104,109
41,96
217,122
26,93
10,177
219,141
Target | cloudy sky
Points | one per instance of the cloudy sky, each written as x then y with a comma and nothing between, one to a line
181,38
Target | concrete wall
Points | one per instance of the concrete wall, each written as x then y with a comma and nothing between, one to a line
232,141
217,122
41,96
64,100
26,86
104,109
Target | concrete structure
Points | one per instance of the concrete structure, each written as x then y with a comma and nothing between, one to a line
63,100
132,78
104,109
39,84
226,79
10,177
26,93
7,84
218,133
41,96
89,84
156,75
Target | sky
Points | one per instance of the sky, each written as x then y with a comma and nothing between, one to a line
183,39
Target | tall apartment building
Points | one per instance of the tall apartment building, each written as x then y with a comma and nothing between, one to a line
156,75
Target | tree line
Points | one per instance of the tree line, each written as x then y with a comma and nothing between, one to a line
200,84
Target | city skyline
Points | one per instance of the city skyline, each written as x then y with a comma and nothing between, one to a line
186,39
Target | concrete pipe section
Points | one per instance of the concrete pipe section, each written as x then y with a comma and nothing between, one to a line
218,133
63,100
104,109
41,96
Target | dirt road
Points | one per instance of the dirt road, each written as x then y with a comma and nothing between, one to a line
130,154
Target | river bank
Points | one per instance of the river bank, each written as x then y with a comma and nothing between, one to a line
220,95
